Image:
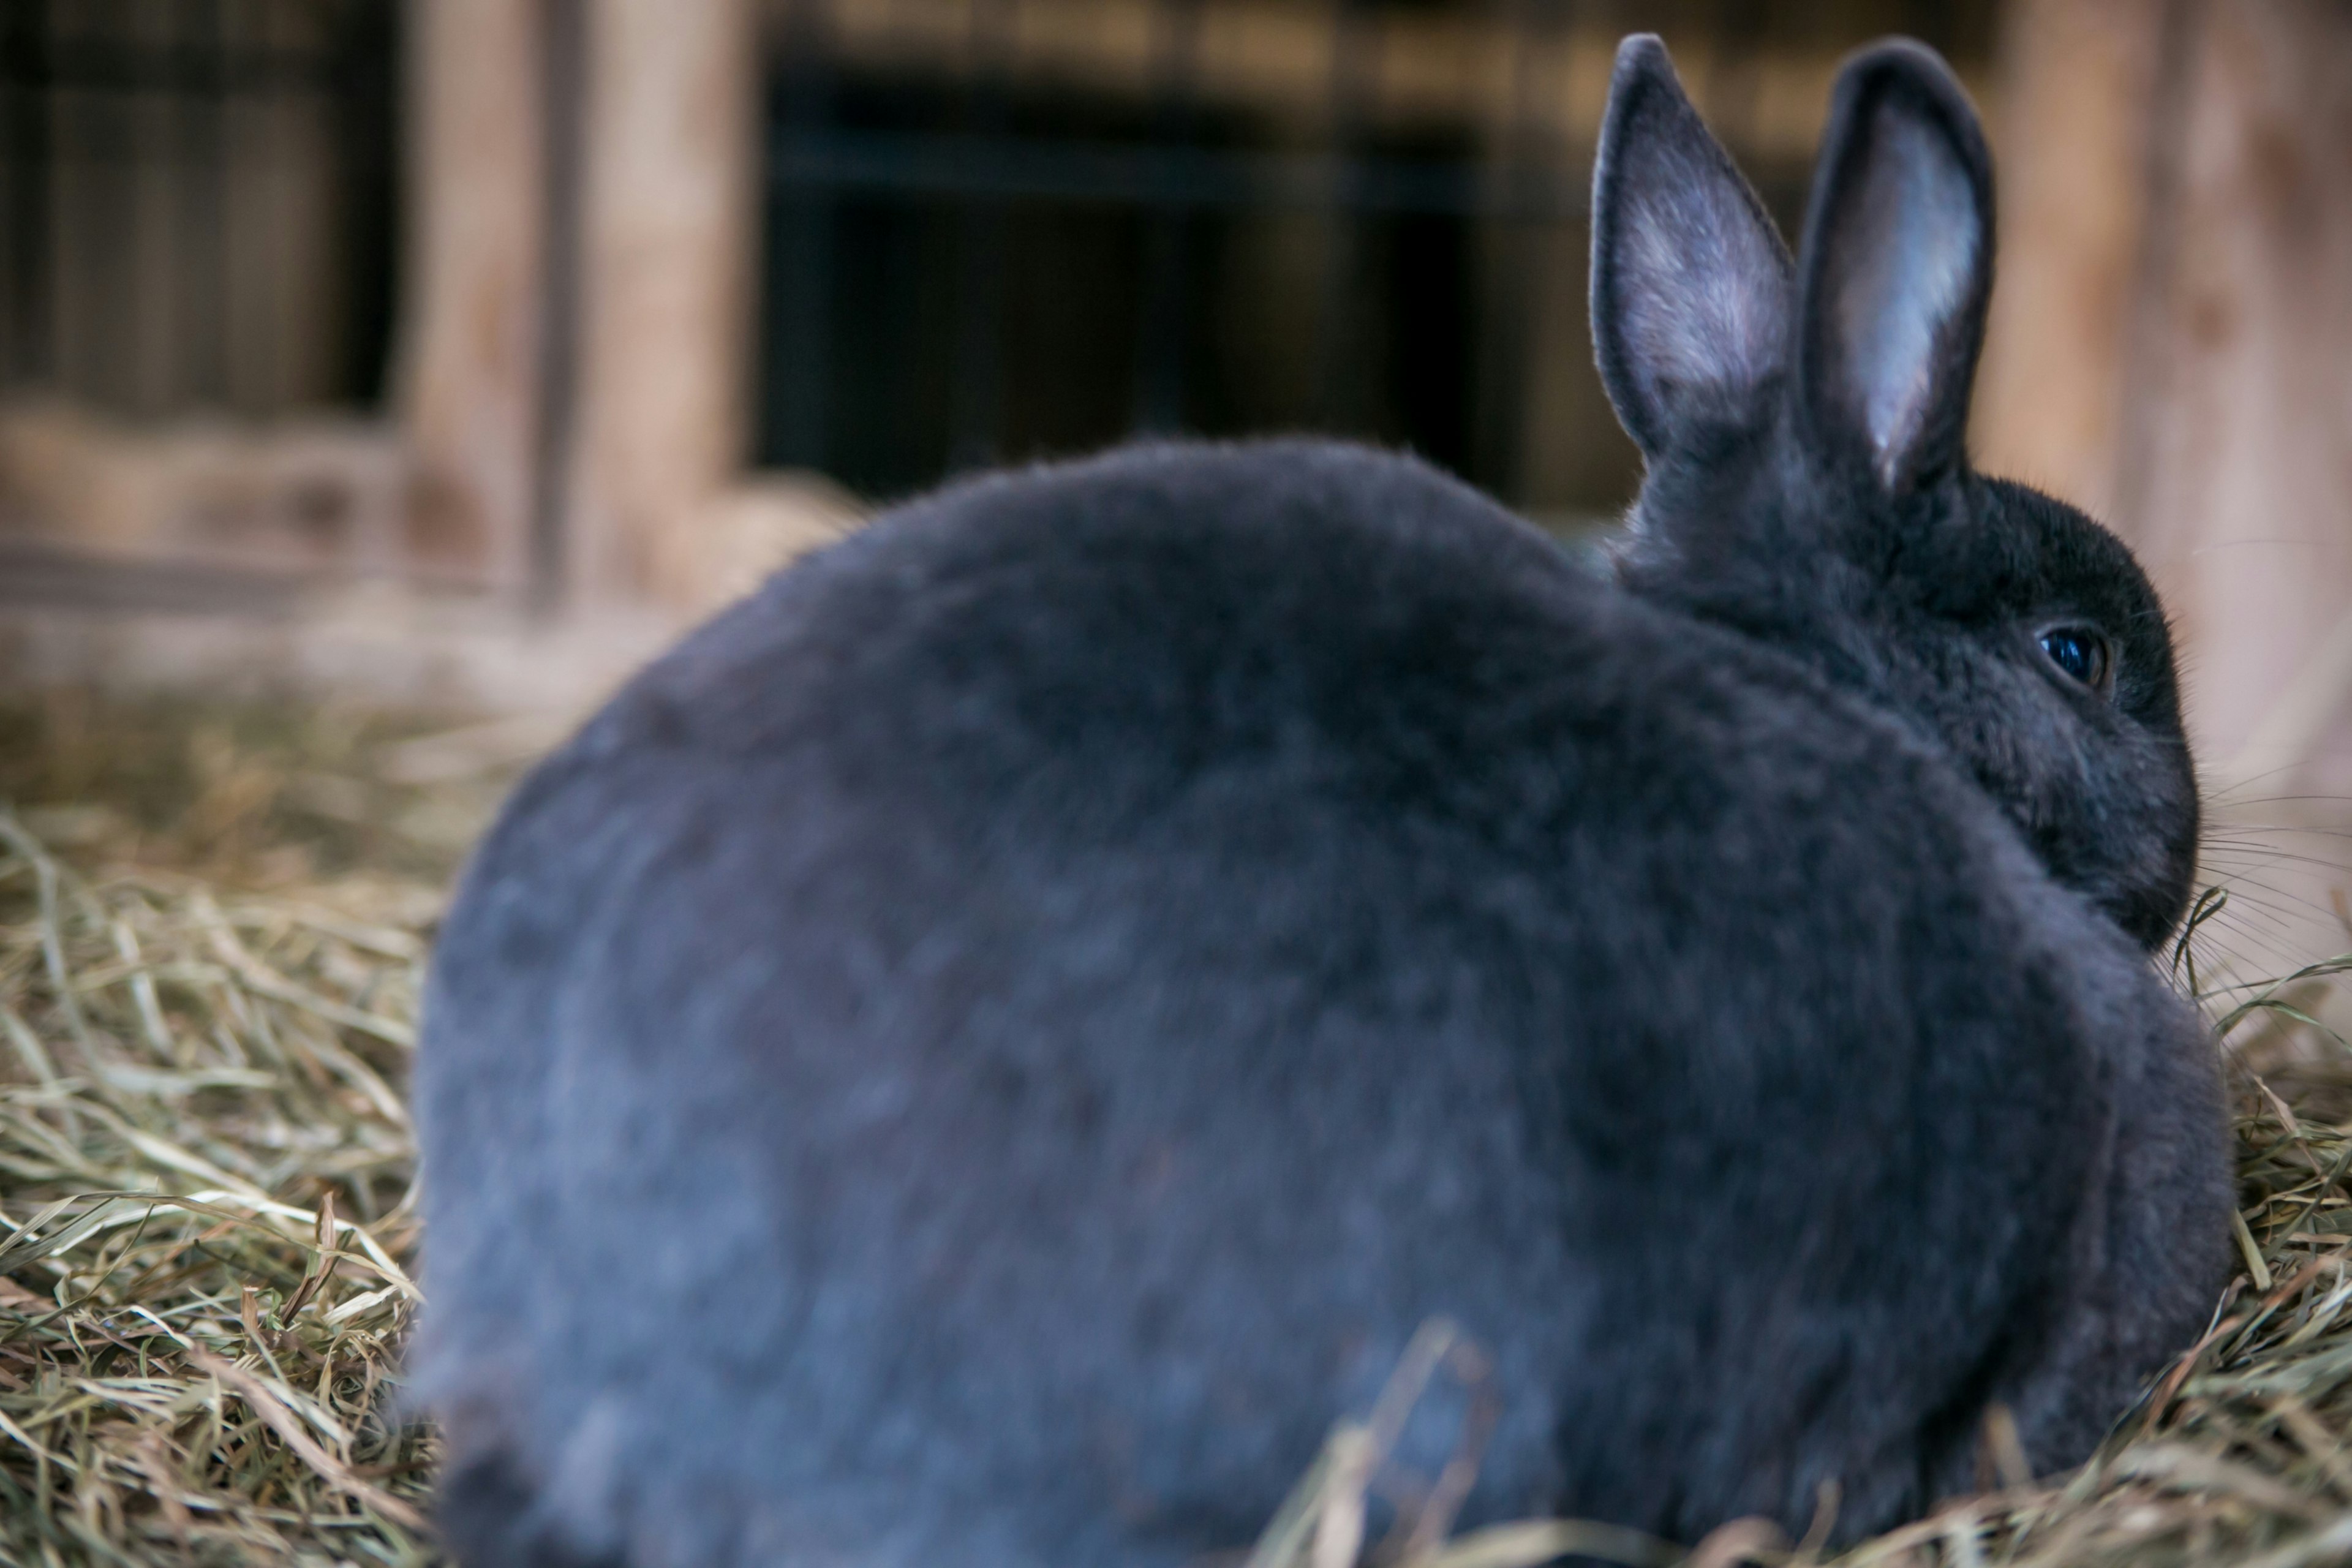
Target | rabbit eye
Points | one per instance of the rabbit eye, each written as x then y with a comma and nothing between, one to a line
2081,652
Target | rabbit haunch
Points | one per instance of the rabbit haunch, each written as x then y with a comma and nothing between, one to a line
981,1054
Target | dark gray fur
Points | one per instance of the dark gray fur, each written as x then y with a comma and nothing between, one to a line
979,1057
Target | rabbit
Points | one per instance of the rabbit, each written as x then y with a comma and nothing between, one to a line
982,1054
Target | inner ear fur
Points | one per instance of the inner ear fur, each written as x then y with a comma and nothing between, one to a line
1896,268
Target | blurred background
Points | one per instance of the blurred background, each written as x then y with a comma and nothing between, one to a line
466,350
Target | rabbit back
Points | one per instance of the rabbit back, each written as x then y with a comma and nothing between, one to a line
984,1052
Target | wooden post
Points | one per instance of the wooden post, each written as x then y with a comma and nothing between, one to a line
2077,81
666,247
2240,439
467,377
2171,341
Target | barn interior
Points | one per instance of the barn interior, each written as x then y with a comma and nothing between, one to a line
382,381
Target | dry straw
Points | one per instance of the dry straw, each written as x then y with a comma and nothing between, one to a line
207,1220
205,1154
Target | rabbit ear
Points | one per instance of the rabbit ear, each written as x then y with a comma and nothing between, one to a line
1691,283
1897,267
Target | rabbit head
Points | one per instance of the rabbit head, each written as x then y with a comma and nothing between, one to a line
1807,484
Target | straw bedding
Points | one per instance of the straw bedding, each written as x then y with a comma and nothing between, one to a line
211,930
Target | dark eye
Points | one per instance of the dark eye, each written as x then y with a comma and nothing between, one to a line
2080,652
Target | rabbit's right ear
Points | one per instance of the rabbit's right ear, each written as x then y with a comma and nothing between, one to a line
1897,269
1691,287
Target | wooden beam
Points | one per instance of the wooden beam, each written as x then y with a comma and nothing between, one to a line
2077,84
666,251
2236,481
466,374
1428,69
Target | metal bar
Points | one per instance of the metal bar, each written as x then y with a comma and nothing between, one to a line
371,49
273,384
1163,329
204,273
25,43
1012,168
108,280
798,296
1498,404
138,91
976,409
1339,386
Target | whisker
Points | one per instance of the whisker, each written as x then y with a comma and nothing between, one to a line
2239,885
2248,905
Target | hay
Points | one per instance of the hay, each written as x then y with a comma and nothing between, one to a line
205,1157
211,927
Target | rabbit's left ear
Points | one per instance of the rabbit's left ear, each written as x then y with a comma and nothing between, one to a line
1691,285
1896,268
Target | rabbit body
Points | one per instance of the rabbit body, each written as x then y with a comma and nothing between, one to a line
982,1053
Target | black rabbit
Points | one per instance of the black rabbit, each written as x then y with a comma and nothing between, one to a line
982,1053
